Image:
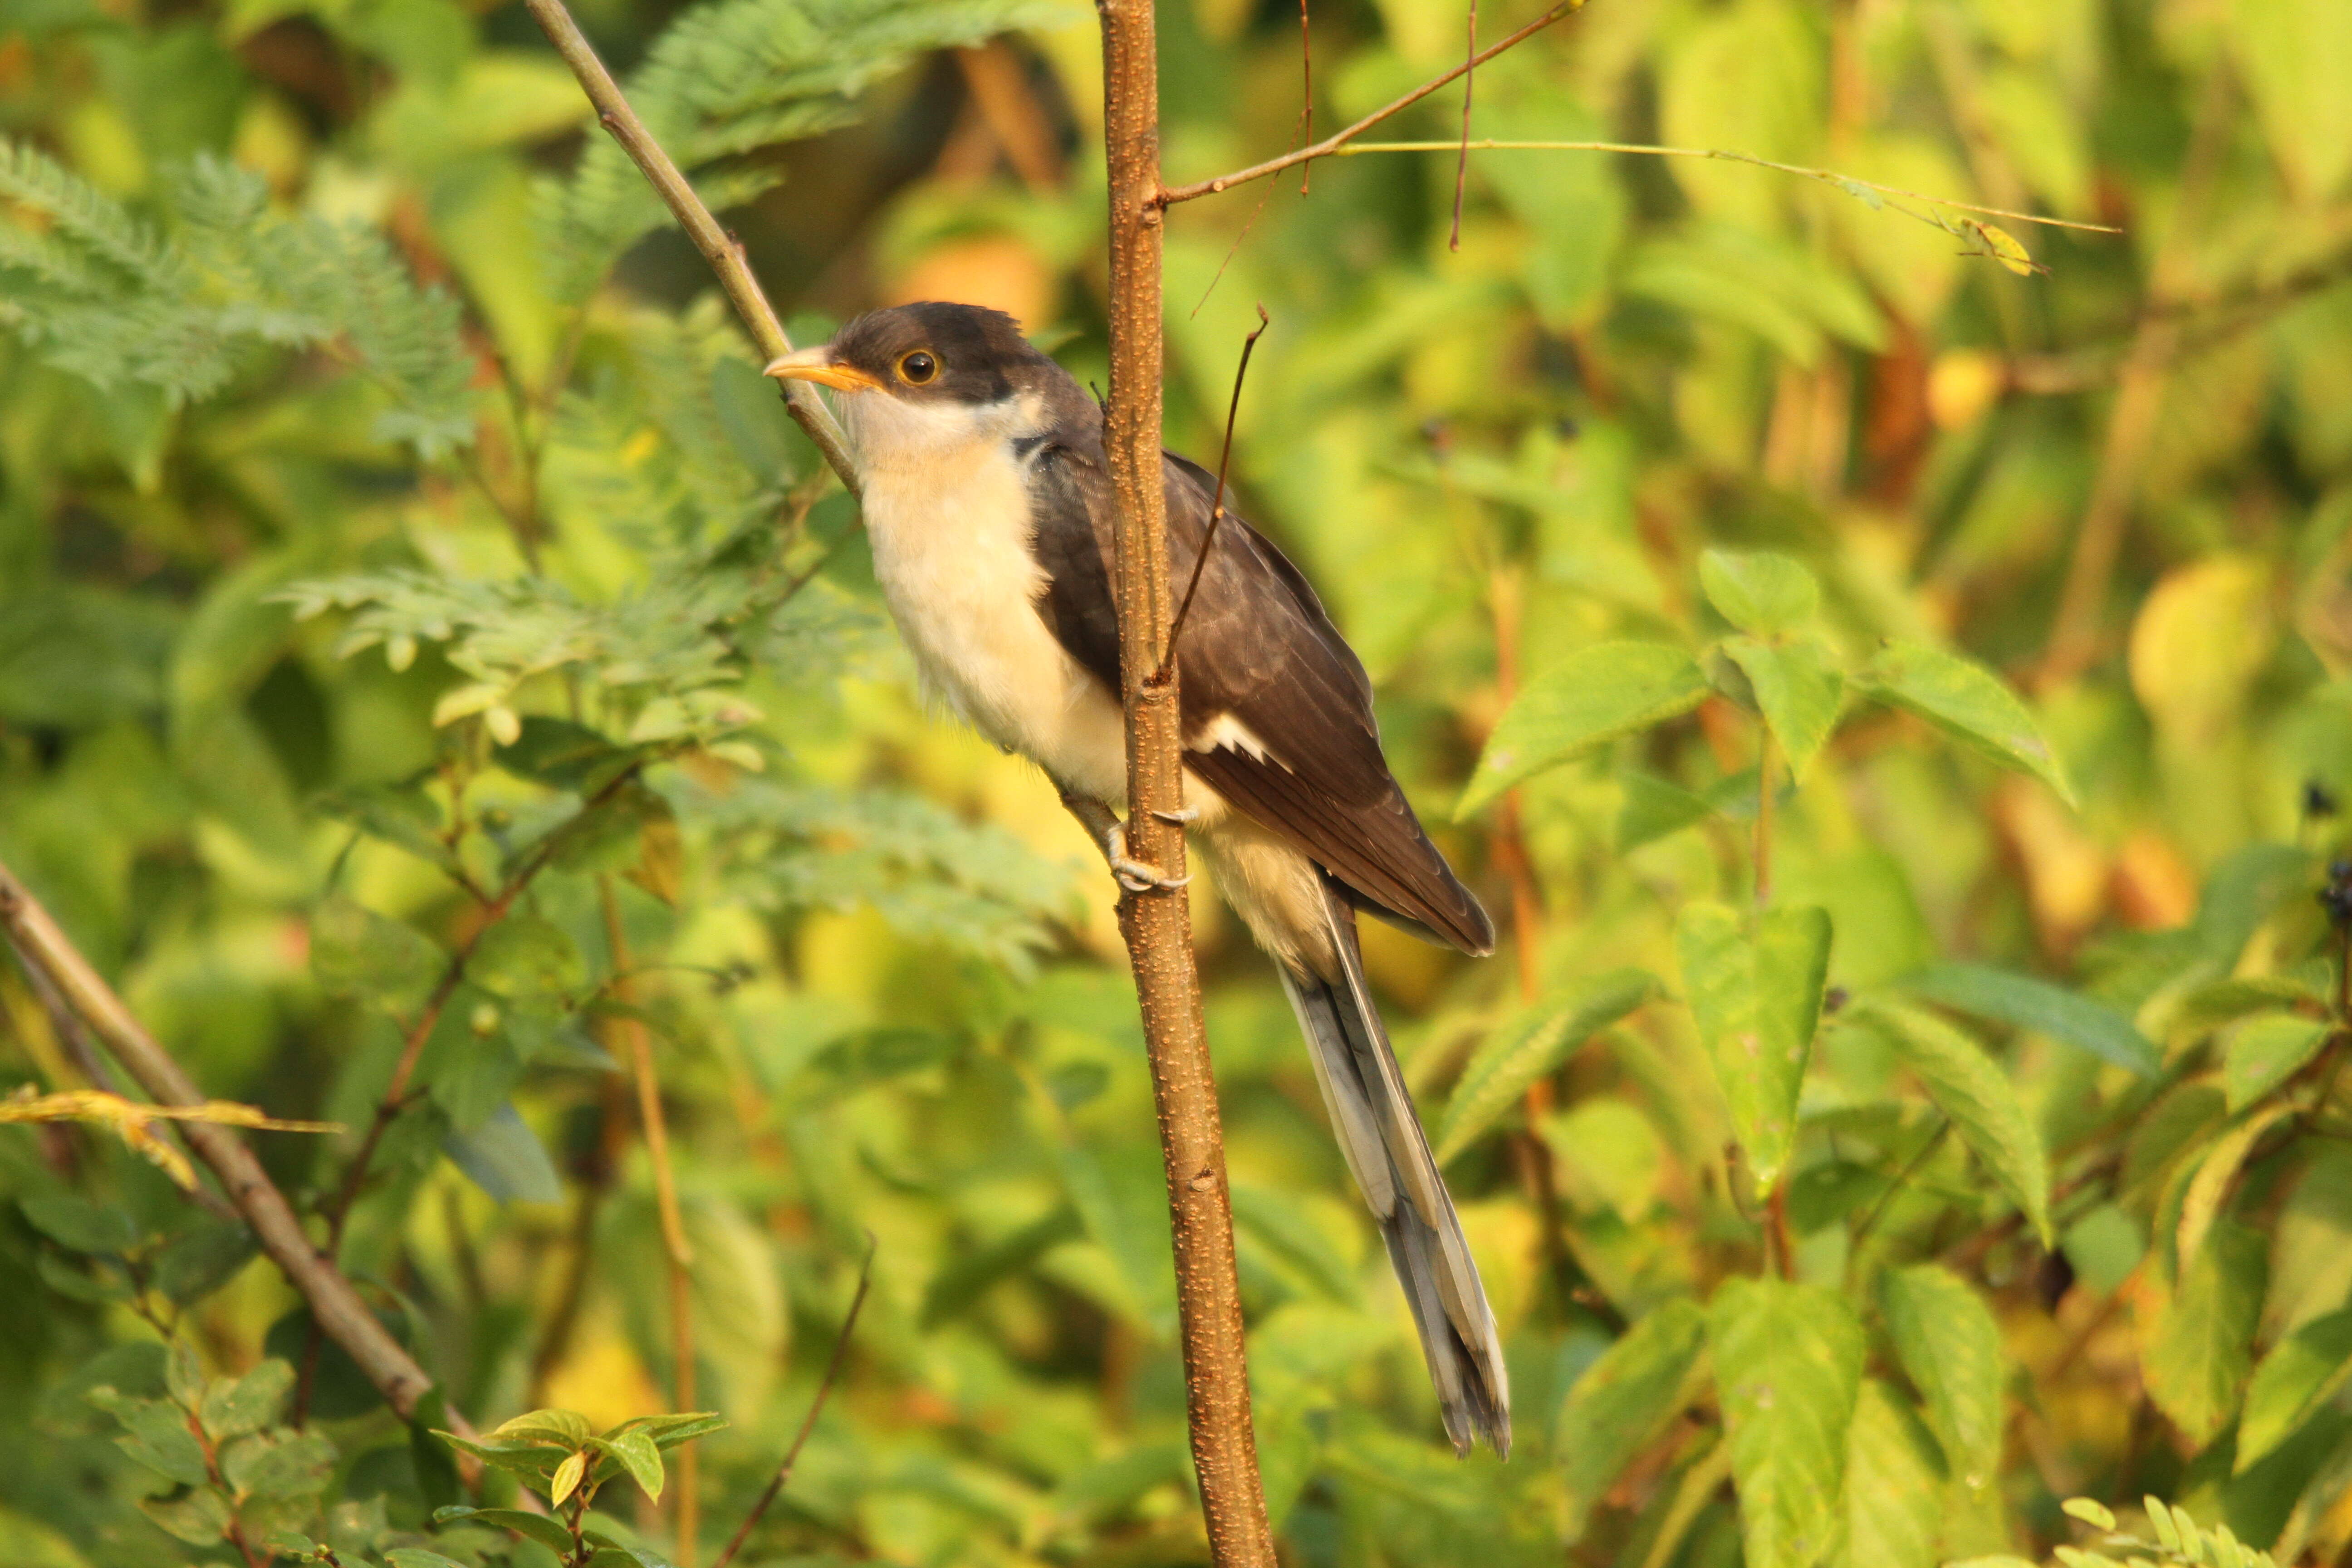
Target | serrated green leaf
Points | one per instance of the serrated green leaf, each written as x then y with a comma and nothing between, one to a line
1624,1401
2200,1349
2201,1203
355,951
1592,697
77,1224
1757,1001
1950,1349
156,1435
505,1158
1797,688
1971,1089
670,1430
1895,1482
546,1531
1762,592
419,1557
200,1518
1530,1044
641,1458
1787,1370
2263,1052
1969,702
234,1407
527,958
2302,1373
277,1464
2026,1003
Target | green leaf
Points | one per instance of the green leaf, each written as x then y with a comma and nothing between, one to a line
248,1403
1969,1088
2025,1002
156,1435
1529,1045
355,951
419,1557
2200,1347
1757,1003
669,1431
1788,1369
546,1531
568,1476
1763,593
527,958
551,1428
1594,696
1624,1401
1895,1483
2217,1172
1969,702
200,1518
279,1464
1798,690
640,1456
2303,1374
2266,1050
77,1224
202,1255
505,1158
1950,1349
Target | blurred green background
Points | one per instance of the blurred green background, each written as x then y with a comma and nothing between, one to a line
344,308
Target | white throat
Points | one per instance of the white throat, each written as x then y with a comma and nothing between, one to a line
949,515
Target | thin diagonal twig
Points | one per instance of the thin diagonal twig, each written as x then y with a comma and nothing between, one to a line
1462,161
1306,93
808,1423
1217,506
1170,195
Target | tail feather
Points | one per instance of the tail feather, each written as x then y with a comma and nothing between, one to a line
1372,1116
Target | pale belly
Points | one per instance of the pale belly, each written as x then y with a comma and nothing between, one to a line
955,568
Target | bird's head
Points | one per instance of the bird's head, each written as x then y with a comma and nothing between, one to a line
924,375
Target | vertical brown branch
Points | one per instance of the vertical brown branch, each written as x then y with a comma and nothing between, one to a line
1462,159
678,1253
1158,924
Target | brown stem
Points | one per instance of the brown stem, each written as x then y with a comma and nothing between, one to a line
334,1305
719,247
808,1423
1167,196
1217,506
1461,159
678,1254
1158,924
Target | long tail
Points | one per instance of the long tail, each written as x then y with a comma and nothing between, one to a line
1372,1116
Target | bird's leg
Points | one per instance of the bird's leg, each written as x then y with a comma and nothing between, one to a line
1109,834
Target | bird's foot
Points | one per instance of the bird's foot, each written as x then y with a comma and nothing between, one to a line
1184,819
1135,876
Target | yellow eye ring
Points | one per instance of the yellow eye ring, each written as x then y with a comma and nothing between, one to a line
920,367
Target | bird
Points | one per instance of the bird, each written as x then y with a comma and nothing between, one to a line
988,504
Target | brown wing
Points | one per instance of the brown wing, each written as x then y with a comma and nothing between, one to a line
1265,673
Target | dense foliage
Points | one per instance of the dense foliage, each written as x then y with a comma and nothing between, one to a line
1893,663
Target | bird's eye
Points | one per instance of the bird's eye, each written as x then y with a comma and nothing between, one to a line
919,367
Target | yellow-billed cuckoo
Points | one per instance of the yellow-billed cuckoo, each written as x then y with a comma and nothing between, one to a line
989,508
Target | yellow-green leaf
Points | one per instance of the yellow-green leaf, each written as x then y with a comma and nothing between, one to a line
1594,696
1969,702
1969,1088
2294,1382
1788,1371
1950,1349
2264,1051
1757,1002
1531,1044
1624,1402
1797,688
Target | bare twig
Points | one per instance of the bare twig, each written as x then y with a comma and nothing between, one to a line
1461,161
1846,183
637,1044
333,1304
1305,92
1157,924
1217,506
720,248
808,1423
1169,197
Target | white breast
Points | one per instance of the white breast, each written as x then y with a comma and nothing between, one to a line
947,508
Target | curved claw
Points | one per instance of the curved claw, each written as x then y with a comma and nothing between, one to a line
1183,819
1138,878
